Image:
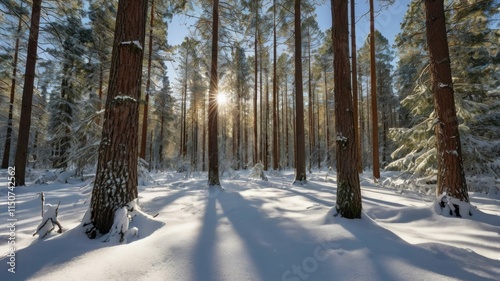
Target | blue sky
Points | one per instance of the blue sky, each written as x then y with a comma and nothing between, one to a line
388,22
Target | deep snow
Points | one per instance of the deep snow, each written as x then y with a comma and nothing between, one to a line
255,230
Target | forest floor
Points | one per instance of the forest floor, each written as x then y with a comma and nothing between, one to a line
254,230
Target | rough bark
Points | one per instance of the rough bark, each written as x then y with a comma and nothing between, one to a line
213,150
348,189
116,177
26,104
275,164
373,75
255,122
300,161
310,97
450,177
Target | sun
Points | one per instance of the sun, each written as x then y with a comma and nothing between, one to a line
222,98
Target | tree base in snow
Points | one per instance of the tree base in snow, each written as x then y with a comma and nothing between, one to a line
447,205
119,231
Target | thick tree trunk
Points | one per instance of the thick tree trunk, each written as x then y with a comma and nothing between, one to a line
144,134
213,149
8,139
29,78
116,176
450,177
300,161
348,189
376,162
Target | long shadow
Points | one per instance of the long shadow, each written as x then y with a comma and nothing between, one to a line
32,259
391,250
312,198
379,202
159,202
203,252
274,245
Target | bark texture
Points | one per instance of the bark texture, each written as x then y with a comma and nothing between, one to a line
29,79
373,78
348,189
213,149
300,146
116,177
451,177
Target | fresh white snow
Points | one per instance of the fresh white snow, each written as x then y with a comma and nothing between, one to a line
254,230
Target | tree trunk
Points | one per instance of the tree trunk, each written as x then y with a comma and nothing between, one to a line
361,119
348,189
144,134
310,103
183,151
150,167
29,78
213,150
255,121
116,176
450,177
204,137
355,83
327,121
6,151
300,161
376,164
287,134
275,95
160,153
266,122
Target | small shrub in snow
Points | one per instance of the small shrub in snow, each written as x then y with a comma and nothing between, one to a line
143,174
49,222
45,178
258,172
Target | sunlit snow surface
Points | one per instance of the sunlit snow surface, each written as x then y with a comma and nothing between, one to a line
255,230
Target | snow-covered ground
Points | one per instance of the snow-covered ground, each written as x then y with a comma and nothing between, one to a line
254,230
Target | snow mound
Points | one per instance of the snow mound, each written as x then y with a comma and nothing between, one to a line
128,222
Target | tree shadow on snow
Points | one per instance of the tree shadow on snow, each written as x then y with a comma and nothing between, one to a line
394,259
273,246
